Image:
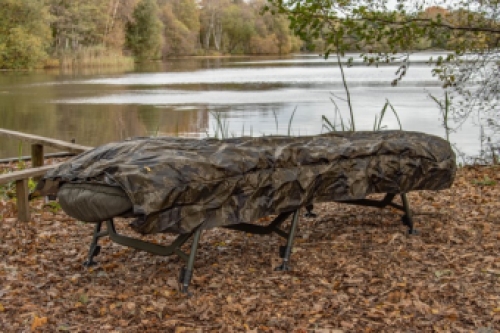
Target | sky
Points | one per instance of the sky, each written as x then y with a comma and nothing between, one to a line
428,3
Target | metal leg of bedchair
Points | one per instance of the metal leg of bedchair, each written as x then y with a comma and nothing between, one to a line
407,218
287,251
94,248
187,272
309,211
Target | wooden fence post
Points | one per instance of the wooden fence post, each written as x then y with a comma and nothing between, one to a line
37,158
23,207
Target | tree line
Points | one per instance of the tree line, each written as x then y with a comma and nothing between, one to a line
36,33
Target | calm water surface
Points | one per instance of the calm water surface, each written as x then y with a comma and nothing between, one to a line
250,96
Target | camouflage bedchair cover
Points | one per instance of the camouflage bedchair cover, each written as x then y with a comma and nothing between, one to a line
178,184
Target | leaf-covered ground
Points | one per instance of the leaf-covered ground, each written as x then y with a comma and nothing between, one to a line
355,269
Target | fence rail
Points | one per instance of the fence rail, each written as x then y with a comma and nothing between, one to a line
38,168
43,141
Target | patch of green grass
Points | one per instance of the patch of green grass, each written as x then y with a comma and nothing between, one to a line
486,181
5,192
290,121
377,125
8,191
332,126
53,206
221,128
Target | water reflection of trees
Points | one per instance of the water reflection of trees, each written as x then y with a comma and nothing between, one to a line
172,121
98,124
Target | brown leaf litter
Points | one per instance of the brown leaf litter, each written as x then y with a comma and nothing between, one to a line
355,269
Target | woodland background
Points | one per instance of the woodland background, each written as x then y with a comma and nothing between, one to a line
54,33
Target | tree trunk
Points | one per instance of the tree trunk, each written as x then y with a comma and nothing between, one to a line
111,23
209,31
217,33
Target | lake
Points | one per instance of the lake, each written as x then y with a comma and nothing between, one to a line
192,97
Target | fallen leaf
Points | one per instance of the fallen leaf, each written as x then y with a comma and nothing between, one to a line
38,322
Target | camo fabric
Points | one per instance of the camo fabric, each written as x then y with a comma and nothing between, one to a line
178,184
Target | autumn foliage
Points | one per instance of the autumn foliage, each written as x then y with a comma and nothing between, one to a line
37,33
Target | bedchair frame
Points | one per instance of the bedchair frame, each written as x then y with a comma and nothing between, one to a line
285,251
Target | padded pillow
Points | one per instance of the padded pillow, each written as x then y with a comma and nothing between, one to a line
93,202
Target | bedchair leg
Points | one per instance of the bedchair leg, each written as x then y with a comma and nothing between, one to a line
286,251
94,248
187,271
407,218
309,211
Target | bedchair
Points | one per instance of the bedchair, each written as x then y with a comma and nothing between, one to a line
184,186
